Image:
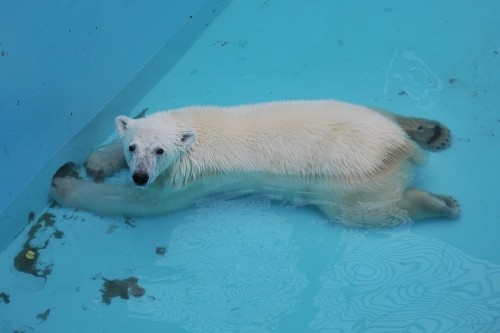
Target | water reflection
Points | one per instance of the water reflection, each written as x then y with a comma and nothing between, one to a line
401,281
237,264
233,265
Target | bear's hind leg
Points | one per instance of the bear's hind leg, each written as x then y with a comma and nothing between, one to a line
105,161
421,204
414,204
429,134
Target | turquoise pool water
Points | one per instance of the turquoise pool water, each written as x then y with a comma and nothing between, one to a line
241,262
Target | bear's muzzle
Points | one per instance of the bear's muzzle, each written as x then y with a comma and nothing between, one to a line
140,178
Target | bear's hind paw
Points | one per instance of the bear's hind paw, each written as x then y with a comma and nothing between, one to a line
451,209
429,134
438,137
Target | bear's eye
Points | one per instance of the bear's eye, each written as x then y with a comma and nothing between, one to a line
131,148
159,151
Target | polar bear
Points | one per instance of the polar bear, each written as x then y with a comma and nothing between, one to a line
356,164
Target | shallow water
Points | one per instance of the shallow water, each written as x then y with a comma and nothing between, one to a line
242,262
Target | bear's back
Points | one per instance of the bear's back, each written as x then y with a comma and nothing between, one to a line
297,138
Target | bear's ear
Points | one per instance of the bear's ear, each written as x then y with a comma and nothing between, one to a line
187,139
121,123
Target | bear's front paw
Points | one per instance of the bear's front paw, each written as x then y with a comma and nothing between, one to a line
101,165
64,182
63,189
68,169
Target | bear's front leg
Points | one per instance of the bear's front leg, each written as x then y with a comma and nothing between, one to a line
100,198
69,190
105,161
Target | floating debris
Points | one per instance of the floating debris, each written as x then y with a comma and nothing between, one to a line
26,259
121,288
48,219
5,297
44,315
30,255
129,221
160,250
111,229
58,234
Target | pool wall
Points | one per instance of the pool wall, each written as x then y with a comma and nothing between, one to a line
66,71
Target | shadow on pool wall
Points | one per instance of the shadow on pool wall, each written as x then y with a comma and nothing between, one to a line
71,70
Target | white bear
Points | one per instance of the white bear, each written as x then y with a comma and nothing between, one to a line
354,163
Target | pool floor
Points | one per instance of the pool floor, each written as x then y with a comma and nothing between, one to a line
243,262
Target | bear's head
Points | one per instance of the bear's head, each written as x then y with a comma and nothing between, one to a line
151,146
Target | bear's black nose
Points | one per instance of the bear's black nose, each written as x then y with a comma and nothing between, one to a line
140,178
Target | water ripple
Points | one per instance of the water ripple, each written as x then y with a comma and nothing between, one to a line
406,283
235,267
